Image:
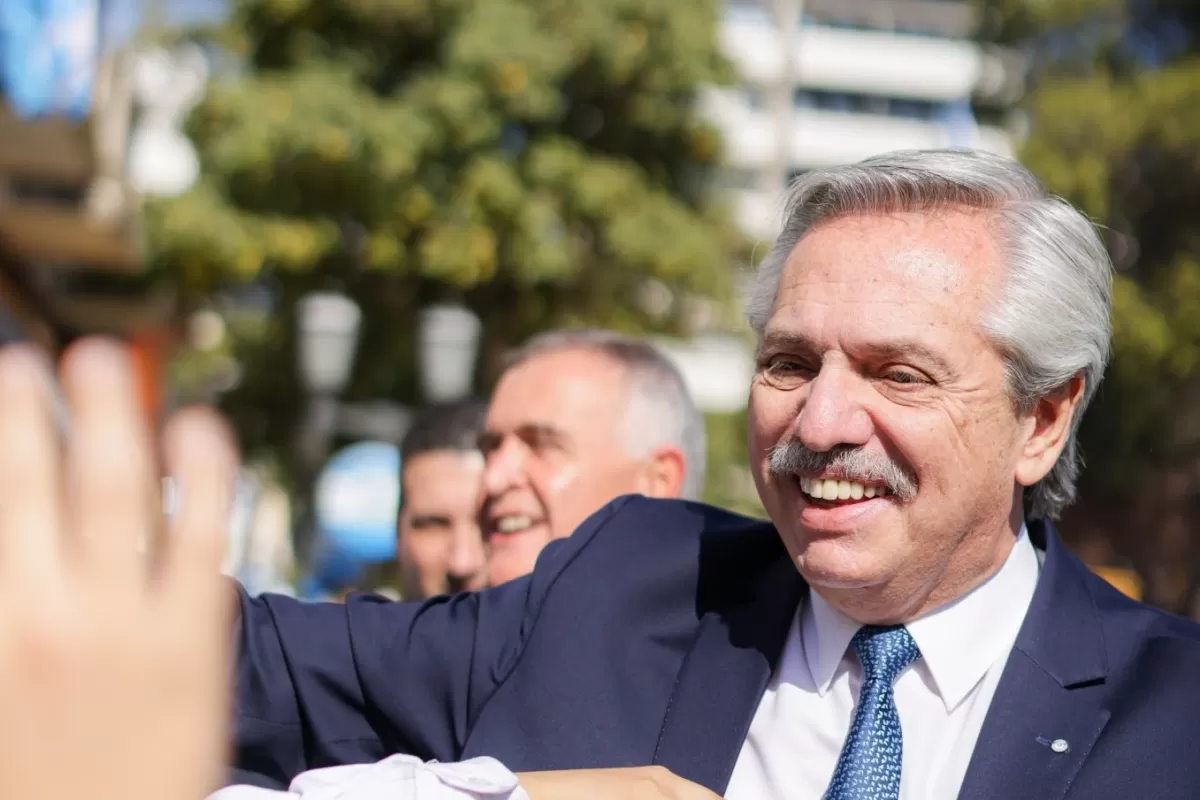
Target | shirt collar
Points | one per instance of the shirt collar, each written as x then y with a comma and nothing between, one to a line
959,642
825,633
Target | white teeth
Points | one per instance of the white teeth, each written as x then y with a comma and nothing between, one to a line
829,489
513,523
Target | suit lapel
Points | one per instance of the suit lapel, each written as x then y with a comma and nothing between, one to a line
1048,710
723,679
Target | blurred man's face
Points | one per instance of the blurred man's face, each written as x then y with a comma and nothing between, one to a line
440,549
556,449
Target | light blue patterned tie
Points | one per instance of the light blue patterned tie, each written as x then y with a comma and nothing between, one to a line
869,766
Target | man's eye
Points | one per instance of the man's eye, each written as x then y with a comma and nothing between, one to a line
904,377
783,373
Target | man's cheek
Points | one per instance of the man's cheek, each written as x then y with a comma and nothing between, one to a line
563,479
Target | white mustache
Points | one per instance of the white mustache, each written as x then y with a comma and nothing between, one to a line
848,462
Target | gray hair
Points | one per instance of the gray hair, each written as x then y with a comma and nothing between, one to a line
660,409
1052,322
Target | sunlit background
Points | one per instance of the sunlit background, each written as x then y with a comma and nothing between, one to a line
321,214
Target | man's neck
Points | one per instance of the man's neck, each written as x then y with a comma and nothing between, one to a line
905,598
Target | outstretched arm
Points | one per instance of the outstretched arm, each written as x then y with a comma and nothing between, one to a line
321,684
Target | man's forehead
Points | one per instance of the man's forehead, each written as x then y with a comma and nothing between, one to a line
447,462
441,474
556,392
916,242
917,257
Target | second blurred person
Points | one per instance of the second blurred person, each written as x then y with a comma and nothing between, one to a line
578,418
439,548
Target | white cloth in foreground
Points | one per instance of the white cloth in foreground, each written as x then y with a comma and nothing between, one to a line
395,778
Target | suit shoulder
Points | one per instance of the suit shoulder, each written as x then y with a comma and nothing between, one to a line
1135,630
1125,612
652,523
652,532
1172,626
639,541
687,517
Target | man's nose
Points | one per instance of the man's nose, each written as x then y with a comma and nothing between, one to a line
833,413
504,466
467,556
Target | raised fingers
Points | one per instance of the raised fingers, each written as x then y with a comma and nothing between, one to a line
201,457
30,547
110,467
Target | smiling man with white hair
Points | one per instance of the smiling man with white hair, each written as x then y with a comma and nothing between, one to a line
931,327
580,417
908,624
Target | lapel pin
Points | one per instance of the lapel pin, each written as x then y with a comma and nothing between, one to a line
1058,745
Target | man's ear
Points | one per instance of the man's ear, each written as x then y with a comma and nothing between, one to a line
663,473
1049,427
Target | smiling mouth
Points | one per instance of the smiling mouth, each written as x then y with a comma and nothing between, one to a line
511,524
835,492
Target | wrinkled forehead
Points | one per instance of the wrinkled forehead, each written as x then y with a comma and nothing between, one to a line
572,391
914,267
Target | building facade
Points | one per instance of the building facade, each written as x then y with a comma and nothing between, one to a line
860,77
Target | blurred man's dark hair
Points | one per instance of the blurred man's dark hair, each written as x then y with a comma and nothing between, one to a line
453,426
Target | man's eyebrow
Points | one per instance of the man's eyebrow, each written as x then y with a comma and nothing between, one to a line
526,431
786,340
418,520
908,349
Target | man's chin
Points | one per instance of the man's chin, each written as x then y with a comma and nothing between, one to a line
511,556
844,560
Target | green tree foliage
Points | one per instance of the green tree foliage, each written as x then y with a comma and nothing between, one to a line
536,159
730,483
1115,122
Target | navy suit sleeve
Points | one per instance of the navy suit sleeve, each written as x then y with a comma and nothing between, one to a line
319,684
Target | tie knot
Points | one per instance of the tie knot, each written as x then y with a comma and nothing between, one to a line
884,652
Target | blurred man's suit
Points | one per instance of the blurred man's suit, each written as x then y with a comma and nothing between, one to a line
649,636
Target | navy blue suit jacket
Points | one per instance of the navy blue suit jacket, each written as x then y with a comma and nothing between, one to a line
649,636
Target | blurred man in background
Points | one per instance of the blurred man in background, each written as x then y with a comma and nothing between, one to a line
439,548
578,418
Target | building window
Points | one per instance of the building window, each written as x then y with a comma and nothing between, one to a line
913,109
855,103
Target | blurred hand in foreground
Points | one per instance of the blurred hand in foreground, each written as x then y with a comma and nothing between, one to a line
113,680
634,783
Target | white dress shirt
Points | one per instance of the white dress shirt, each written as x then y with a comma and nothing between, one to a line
802,720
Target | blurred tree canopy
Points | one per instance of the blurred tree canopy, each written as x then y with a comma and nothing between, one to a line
539,160
1114,115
